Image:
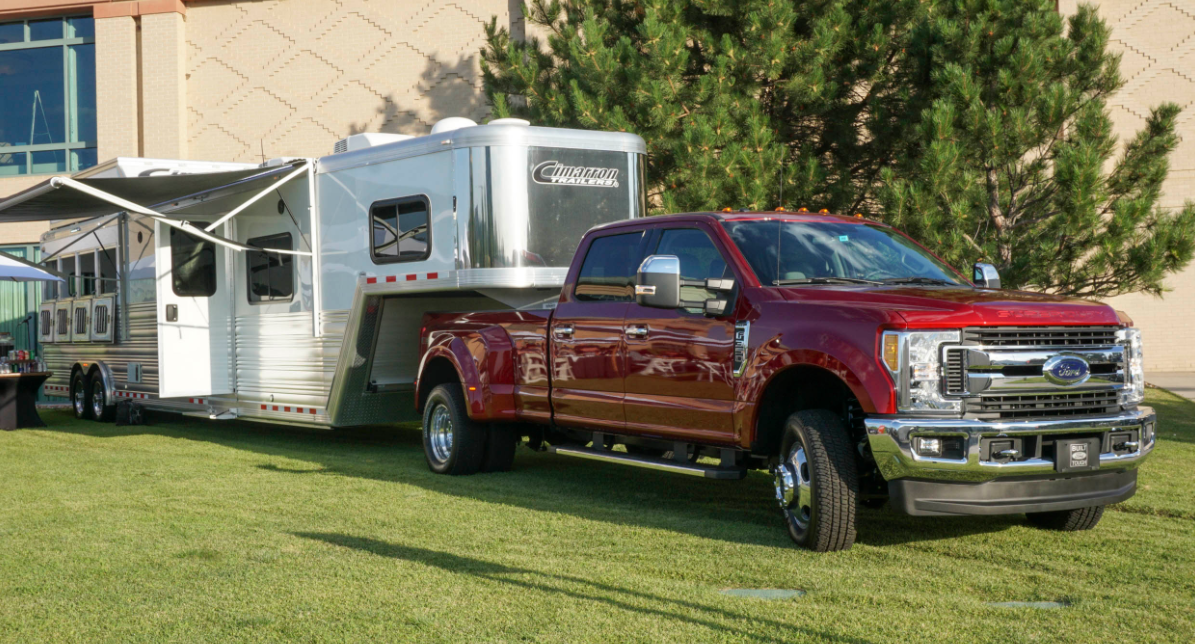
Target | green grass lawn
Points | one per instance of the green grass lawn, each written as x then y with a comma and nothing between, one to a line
191,530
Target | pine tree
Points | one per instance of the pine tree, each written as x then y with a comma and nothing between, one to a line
730,95
978,126
1016,161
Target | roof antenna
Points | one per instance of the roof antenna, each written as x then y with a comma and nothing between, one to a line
263,151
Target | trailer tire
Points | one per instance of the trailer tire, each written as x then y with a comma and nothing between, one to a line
452,442
500,447
817,484
101,409
1068,520
81,396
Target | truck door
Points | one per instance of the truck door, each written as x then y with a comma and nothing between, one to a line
194,316
680,381
588,351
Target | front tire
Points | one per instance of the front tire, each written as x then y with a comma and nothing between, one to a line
452,442
81,397
817,484
1068,520
100,409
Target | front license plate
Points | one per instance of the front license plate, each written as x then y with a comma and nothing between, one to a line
1077,454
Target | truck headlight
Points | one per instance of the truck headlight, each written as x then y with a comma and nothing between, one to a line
914,358
1134,390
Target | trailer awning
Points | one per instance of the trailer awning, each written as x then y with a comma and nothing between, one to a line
210,193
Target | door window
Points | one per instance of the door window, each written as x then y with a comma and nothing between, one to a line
193,265
608,274
400,231
271,275
699,260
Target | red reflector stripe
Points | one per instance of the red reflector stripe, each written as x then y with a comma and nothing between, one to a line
371,280
433,276
263,407
410,278
390,278
275,407
313,411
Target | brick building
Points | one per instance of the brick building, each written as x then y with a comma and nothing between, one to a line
236,80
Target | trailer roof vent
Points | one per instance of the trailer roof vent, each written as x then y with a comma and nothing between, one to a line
509,121
452,123
367,140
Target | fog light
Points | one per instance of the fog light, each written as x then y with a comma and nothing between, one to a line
928,446
1147,434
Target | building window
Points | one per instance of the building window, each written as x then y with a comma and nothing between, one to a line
400,230
47,102
271,275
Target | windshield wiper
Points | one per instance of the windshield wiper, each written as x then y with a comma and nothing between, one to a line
918,280
824,280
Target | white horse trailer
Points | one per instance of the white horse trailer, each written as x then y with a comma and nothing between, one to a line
292,291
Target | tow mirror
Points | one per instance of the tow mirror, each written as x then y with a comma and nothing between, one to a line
986,276
657,283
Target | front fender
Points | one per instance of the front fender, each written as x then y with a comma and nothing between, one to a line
857,371
484,363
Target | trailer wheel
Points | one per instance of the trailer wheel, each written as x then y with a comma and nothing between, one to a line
452,442
500,447
816,482
101,410
1068,520
81,397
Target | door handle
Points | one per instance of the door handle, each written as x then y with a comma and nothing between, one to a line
172,313
637,331
563,331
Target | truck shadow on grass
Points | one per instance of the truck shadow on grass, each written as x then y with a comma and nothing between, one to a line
587,590
733,511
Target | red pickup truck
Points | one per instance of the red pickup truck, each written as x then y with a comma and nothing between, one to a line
835,352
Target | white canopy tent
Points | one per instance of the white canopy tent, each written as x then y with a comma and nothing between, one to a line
15,269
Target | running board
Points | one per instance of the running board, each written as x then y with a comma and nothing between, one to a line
692,469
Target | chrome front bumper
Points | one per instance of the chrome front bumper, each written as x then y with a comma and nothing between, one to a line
891,441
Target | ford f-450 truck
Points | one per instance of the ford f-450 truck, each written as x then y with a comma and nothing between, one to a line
835,352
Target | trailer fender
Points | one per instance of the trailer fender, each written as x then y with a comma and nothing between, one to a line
105,373
484,363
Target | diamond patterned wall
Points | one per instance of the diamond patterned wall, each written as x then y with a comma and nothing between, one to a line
294,76
1156,40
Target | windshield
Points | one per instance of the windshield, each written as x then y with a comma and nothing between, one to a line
795,252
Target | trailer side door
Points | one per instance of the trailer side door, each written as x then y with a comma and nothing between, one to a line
194,316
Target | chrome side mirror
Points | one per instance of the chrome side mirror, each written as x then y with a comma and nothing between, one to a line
657,284
986,276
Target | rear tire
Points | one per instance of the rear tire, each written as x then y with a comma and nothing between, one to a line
452,442
1068,520
500,447
81,396
817,484
101,410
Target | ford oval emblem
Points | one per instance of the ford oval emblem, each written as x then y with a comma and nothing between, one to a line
1066,370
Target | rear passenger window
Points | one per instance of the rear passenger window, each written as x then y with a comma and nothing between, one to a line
608,274
400,230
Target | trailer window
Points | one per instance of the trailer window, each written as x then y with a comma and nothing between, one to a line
271,275
608,272
193,265
400,230
107,261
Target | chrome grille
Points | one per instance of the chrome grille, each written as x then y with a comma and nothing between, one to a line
1037,406
1045,336
955,371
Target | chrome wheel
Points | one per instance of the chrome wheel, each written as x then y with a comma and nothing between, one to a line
97,398
79,399
794,489
439,433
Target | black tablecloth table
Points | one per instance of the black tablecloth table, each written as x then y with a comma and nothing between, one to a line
18,399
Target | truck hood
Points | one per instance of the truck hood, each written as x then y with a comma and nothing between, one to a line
959,307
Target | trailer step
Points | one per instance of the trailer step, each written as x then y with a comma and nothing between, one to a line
692,469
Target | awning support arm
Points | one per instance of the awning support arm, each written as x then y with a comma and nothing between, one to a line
175,223
235,211
107,220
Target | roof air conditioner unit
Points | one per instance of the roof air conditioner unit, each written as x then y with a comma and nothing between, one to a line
367,140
